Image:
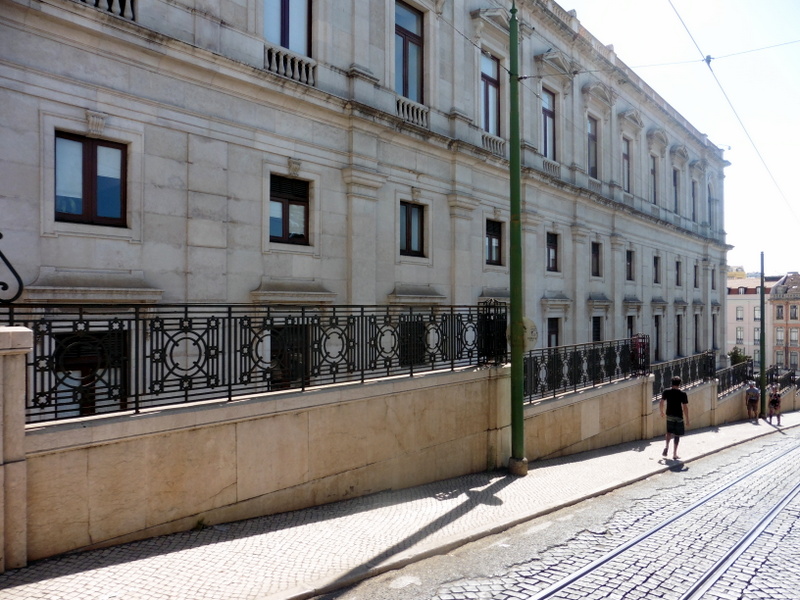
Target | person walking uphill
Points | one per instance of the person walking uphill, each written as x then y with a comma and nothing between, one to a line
751,397
677,414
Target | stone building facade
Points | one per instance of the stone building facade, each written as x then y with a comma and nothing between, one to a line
321,152
784,306
745,322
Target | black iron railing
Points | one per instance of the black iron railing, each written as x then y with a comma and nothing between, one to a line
734,377
552,371
782,378
692,370
99,359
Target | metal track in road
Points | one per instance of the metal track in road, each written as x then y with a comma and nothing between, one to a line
712,574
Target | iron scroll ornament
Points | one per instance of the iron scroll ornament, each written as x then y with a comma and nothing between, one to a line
4,286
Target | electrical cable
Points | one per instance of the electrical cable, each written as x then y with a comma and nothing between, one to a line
707,59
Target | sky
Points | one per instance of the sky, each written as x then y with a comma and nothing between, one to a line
750,109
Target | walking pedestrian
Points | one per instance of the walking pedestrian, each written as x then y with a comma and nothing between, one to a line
775,404
677,414
751,397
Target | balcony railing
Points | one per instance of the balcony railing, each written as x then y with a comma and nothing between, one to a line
287,64
494,144
552,371
89,360
411,112
122,8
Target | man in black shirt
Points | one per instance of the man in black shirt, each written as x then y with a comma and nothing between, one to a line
677,414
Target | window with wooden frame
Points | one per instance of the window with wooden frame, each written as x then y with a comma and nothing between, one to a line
287,23
490,94
656,269
548,124
591,138
626,165
630,265
91,180
552,252
412,229
597,259
653,179
408,52
494,242
288,210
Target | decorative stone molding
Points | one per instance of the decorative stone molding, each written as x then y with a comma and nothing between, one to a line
363,183
558,64
631,119
679,154
96,122
291,291
556,303
461,206
657,140
497,18
91,287
699,166
295,165
601,94
415,294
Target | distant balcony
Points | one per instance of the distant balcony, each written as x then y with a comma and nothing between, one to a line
551,168
494,144
411,112
121,8
287,64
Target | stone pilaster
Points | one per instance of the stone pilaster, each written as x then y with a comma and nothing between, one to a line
362,243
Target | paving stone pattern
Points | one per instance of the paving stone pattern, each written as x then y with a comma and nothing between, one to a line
668,563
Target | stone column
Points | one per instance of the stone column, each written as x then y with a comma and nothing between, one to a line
15,343
362,228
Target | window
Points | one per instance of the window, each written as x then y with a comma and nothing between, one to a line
90,181
597,270
710,209
696,334
653,179
548,124
552,252
630,325
740,335
696,276
288,210
678,273
626,165
740,313
694,201
629,265
779,312
657,337
676,190
793,312
714,278
780,337
656,269
757,356
679,335
552,332
779,358
494,239
591,138
793,360
742,291
793,336
597,329
412,229
756,313
490,94
408,52
714,332
756,335
287,23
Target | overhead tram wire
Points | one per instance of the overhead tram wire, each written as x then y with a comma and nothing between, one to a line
707,58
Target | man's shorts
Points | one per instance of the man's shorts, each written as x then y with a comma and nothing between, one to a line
675,425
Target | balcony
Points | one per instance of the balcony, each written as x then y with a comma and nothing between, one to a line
287,64
411,112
